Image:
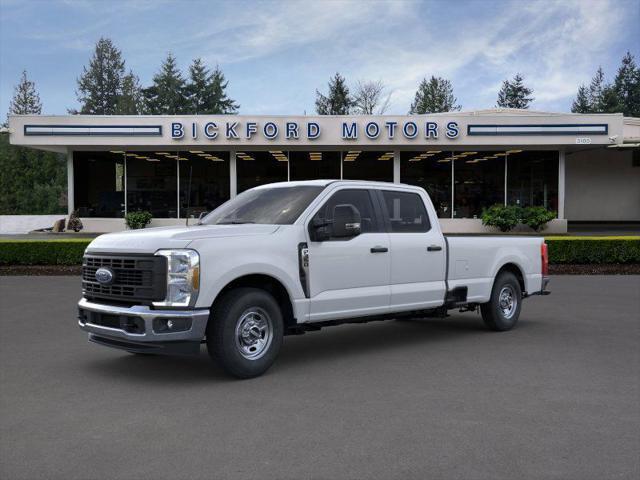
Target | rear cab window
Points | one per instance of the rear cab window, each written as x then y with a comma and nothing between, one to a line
406,212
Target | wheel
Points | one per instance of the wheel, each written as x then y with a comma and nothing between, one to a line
501,312
245,332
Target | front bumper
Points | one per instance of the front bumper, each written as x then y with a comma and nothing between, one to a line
142,329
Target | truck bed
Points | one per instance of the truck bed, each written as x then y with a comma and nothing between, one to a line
474,260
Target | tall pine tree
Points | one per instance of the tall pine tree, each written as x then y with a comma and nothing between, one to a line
206,92
219,102
433,96
25,99
167,94
627,86
31,181
514,94
338,100
582,103
130,101
100,85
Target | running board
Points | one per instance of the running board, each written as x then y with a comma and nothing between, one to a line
456,297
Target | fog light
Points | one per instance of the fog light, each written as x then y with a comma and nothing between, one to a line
170,325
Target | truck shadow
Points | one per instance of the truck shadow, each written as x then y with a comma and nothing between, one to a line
307,351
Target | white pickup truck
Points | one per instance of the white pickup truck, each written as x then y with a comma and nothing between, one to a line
287,258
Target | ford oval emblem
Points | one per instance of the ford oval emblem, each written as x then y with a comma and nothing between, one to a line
104,276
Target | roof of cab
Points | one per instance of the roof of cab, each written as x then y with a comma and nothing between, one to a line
324,183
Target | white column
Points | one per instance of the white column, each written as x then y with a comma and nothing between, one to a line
396,166
561,175
70,186
506,167
178,191
233,177
453,184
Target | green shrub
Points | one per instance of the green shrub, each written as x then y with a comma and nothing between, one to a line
42,252
590,250
504,218
137,220
536,217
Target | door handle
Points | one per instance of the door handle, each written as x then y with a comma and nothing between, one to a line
379,249
434,248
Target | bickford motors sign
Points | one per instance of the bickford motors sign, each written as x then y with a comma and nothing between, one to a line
294,130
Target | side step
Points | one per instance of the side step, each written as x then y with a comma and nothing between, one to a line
456,297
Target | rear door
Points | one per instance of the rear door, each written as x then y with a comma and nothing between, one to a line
350,277
417,252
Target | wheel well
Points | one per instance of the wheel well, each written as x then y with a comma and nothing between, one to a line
269,284
513,268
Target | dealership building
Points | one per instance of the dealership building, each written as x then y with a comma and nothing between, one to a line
584,167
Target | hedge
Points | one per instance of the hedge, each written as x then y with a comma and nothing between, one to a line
572,250
593,250
43,252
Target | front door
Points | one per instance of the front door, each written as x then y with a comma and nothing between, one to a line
417,253
349,277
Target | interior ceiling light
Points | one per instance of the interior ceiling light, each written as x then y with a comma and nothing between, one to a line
116,151
131,154
444,160
514,151
434,151
196,151
152,160
500,154
162,153
141,157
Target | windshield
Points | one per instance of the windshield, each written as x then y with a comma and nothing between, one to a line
274,206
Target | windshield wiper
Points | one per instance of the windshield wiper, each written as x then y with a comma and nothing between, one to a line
233,222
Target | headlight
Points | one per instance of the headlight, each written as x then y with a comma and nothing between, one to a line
183,278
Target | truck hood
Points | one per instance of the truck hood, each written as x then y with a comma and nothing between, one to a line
149,240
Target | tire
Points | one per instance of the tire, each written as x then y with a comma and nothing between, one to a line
245,332
502,311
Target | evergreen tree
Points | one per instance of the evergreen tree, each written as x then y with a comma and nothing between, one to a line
338,101
433,96
581,104
31,181
25,99
627,86
218,100
100,85
596,91
514,94
206,91
196,89
167,95
130,101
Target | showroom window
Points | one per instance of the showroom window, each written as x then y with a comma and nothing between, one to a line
532,178
152,183
204,181
431,170
99,184
478,182
365,165
314,165
261,167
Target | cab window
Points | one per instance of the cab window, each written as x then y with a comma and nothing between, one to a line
360,199
406,212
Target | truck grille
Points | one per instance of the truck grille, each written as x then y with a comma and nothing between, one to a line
136,278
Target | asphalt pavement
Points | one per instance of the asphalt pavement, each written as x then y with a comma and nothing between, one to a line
558,397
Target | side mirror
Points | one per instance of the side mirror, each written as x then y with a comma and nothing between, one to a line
320,230
201,216
346,221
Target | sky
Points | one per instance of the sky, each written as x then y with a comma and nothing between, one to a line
275,54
